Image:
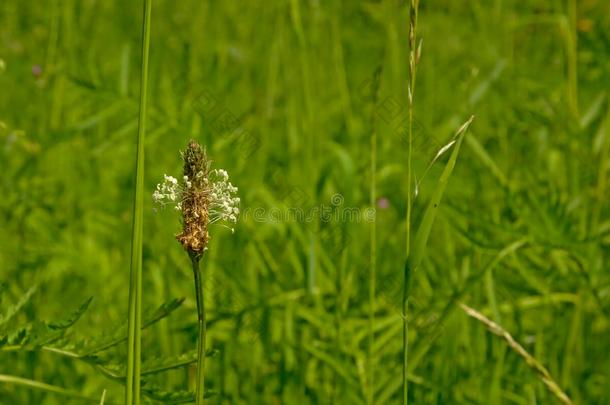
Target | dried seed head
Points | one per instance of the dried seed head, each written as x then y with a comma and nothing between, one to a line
195,200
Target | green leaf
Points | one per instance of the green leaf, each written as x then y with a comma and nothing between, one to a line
154,365
164,310
40,333
14,309
107,342
72,318
423,232
173,397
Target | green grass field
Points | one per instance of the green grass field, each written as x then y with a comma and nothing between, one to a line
306,105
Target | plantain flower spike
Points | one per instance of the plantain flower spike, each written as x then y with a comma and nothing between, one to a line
205,196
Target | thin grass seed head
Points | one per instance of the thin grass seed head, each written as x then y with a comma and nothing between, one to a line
204,196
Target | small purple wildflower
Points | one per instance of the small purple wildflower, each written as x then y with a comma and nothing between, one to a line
383,203
36,70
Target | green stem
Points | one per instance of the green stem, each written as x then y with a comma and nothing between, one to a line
405,292
413,59
132,389
405,339
200,389
571,35
372,276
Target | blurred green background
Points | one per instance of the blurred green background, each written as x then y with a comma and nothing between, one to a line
279,92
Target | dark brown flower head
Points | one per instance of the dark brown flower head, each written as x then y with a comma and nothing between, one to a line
195,200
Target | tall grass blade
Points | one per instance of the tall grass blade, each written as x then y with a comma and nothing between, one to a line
132,389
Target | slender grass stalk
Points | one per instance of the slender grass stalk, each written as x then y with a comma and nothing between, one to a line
199,280
373,273
571,44
531,361
373,237
132,383
414,55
